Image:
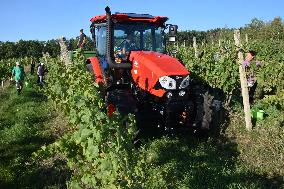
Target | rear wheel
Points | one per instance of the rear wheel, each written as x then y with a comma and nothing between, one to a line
207,111
203,111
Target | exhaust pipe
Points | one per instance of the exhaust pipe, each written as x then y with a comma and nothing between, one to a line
109,45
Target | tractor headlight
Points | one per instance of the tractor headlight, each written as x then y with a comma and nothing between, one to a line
184,83
167,82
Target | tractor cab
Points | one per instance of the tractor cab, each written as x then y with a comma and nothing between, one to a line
117,36
129,32
134,71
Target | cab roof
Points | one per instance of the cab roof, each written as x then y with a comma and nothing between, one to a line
131,17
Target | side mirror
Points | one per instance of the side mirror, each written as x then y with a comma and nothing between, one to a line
172,33
173,30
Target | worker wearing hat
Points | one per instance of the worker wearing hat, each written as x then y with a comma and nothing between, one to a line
19,75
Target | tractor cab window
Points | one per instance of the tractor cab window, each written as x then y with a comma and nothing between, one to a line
134,37
101,40
155,43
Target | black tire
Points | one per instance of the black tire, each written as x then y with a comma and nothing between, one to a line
203,111
207,111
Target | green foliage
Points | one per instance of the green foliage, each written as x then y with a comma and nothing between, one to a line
99,150
187,37
7,65
214,65
270,75
21,49
5,70
52,48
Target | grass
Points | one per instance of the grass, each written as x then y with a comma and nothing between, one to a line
262,150
189,162
27,122
229,158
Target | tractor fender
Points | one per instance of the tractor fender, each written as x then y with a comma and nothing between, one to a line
93,65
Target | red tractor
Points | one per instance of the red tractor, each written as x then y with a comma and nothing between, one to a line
136,76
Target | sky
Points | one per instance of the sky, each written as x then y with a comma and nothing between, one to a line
51,19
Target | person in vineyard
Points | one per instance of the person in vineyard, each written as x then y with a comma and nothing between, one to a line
33,61
250,75
19,74
128,44
40,72
82,40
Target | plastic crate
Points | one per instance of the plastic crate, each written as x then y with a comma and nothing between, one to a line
87,54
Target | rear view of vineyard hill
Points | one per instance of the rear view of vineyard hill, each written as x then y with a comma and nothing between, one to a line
61,135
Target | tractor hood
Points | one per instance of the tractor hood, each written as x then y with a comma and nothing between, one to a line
148,67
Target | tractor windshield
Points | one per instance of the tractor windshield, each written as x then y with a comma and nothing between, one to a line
137,37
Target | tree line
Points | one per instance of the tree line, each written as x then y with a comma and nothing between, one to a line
35,48
256,30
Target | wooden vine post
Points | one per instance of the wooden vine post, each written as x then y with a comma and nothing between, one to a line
64,53
246,38
177,46
244,86
195,47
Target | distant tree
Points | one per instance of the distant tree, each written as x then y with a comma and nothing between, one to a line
1,51
277,28
260,30
72,44
8,50
256,24
21,48
34,48
52,47
90,44
187,36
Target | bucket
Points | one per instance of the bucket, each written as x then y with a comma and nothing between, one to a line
253,113
257,114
